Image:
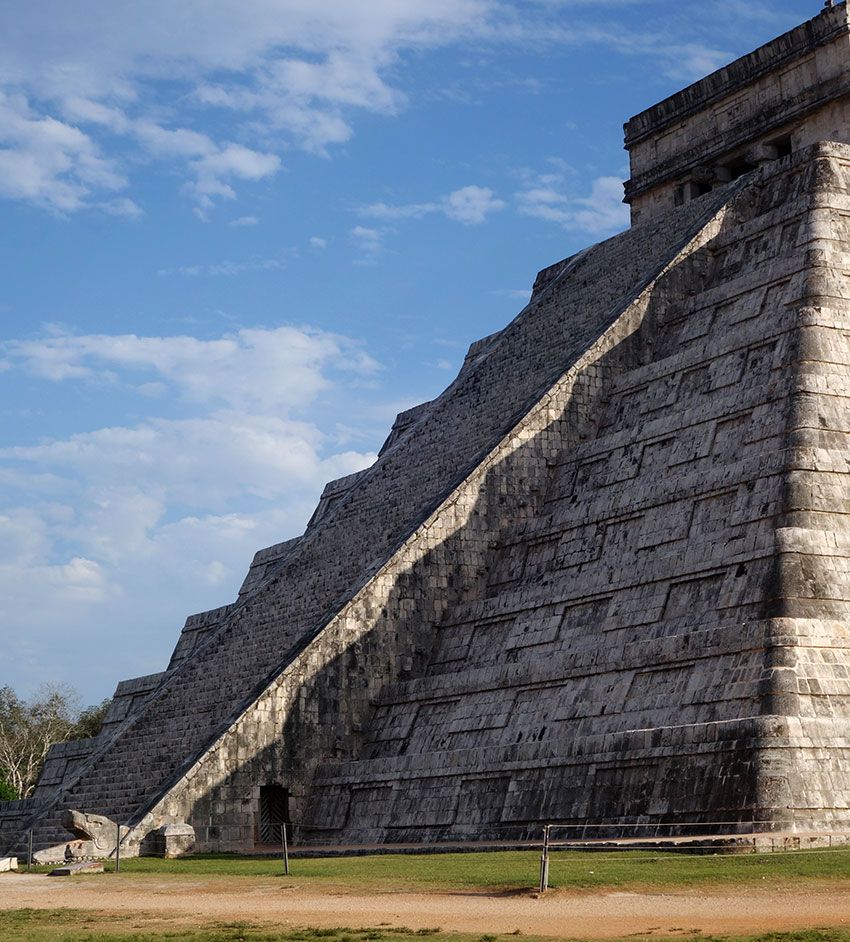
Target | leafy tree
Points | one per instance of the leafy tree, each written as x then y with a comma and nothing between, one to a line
90,721
7,793
29,729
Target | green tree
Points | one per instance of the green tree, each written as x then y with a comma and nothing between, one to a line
29,728
7,793
90,720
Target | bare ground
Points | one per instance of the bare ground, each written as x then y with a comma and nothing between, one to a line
591,915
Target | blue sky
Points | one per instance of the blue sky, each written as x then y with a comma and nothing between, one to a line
238,237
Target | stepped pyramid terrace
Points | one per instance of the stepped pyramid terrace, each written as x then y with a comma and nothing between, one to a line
603,578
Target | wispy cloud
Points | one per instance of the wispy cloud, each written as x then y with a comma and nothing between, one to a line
198,462
80,107
547,196
121,206
74,83
255,368
49,162
517,294
470,205
226,269
368,242
52,162
138,515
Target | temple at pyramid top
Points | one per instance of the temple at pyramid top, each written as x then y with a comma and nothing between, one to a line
789,93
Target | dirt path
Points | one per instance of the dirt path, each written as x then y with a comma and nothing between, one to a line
185,901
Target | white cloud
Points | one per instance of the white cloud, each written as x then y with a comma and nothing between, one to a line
170,142
55,164
226,268
244,221
205,462
545,196
469,205
139,576
368,241
317,242
517,294
126,523
252,368
47,161
682,61
77,584
692,61
291,73
233,161
604,210
398,211
545,202
122,206
91,90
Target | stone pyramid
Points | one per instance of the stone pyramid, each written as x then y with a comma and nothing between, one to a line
603,578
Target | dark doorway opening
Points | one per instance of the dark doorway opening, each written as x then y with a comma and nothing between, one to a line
274,814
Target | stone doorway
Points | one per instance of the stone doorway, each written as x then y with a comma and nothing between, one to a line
273,814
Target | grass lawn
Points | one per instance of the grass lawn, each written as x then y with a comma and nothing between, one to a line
69,925
513,870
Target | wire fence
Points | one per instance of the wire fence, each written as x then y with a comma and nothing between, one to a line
604,841
559,845
589,833
762,840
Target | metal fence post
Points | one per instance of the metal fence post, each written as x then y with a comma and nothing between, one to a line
544,861
29,851
285,847
117,848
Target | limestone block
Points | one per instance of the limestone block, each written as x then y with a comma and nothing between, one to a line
170,840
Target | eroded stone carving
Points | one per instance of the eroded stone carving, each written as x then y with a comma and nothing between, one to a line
96,835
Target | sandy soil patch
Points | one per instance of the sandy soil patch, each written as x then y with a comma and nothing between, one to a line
596,915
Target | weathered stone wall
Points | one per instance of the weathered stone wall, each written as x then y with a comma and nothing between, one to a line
613,670
321,705
602,577
624,659
62,761
805,763
666,639
15,817
324,701
202,696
